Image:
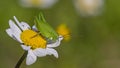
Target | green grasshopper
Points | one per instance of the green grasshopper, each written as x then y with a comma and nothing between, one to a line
45,29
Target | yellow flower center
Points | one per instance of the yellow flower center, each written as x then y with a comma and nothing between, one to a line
64,31
35,2
33,39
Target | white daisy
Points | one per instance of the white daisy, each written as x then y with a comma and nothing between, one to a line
38,3
89,7
31,41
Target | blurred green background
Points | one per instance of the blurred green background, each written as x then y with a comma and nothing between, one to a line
94,43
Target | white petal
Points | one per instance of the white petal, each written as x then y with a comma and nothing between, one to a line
22,25
34,28
25,26
26,3
47,3
15,30
9,32
25,47
60,38
31,58
18,23
41,3
51,51
40,52
56,44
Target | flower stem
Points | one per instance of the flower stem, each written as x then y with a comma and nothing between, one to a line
21,59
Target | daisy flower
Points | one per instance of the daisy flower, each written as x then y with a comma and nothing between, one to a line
38,3
89,7
31,41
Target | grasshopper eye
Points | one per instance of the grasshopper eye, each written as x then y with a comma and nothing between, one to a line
51,38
